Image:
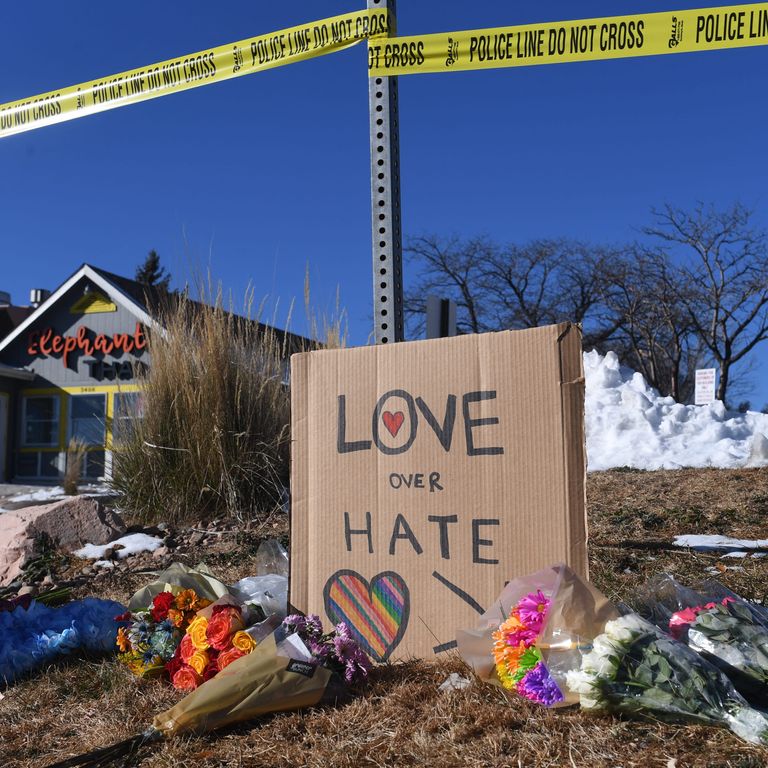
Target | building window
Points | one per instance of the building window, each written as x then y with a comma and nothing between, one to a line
87,419
40,421
38,464
93,465
128,406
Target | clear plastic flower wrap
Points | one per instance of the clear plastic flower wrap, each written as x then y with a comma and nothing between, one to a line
535,632
636,668
717,623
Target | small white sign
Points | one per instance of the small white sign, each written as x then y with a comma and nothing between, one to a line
705,386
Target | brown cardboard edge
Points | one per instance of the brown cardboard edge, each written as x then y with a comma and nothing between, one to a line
299,372
572,387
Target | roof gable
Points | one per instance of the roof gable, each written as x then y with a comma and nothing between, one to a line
119,295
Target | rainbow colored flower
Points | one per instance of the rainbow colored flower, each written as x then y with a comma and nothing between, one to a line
519,664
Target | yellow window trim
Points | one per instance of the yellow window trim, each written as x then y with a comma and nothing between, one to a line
85,389
110,390
58,450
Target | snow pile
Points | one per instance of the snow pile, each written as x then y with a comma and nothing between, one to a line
629,424
124,547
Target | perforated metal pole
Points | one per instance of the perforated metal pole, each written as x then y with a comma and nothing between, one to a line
385,200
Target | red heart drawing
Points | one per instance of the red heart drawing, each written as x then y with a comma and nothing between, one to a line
393,421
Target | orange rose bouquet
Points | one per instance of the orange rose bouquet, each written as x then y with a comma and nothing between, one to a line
210,644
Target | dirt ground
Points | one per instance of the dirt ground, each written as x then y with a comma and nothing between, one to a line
402,719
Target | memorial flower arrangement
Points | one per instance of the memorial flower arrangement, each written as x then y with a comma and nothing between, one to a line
681,620
519,663
336,650
716,623
209,646
33,635
152,636
296,665
636,668
534,632
730,635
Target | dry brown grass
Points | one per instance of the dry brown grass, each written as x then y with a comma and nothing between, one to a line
215,434
76,450
656,506
402,719
331,327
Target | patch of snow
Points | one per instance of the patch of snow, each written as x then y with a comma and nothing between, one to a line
743,554
131,544
95,489
57,492
714,543
629,424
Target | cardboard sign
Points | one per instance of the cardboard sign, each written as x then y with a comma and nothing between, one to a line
427,474
704,388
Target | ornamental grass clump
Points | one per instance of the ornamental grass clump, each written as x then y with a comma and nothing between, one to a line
213,432
76,450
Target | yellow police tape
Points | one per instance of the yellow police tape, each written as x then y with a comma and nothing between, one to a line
550,43
558,42
202,68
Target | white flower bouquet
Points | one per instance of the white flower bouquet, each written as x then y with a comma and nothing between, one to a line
635,668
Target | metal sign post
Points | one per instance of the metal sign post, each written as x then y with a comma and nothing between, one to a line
385,200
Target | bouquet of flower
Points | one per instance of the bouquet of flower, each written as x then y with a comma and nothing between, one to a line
151,638
519,663
179,578
214,639
336,650
634,667
533,633
296,666
717,623
32,634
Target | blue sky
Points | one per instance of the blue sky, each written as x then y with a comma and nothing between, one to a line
258,177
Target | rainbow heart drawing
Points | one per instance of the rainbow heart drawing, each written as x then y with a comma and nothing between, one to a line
376,612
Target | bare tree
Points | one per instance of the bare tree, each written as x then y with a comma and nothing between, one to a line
654,334
724,279
496,288
450,268
694,294
549,281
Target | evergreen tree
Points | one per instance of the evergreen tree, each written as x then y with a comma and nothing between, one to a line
150,273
